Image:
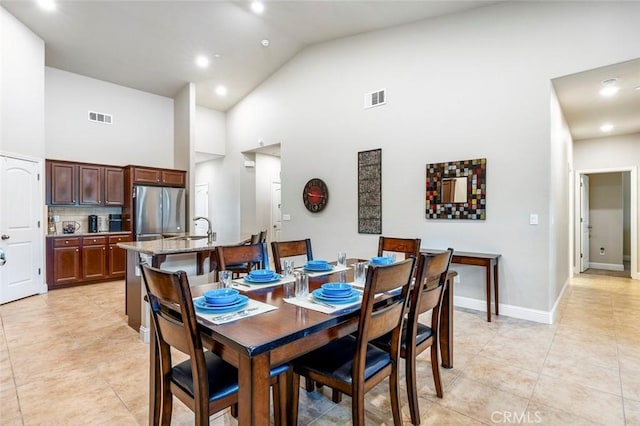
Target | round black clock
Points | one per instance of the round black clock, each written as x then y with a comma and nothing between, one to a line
315,195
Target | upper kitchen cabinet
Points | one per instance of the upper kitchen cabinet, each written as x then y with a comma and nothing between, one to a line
61,183
80,184
146,175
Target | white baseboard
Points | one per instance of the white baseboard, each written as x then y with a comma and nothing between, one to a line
145,334
506,310
607,266
554,310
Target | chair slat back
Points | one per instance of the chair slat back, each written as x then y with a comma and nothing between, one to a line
409,246
283,249
254,254
375,323
172,288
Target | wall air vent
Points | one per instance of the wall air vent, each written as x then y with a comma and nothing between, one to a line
376,98
100,117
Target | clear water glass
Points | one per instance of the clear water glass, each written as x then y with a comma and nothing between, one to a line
225,279
302,285
287,267
359,273
342,258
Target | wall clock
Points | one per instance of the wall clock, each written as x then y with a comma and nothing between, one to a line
315,195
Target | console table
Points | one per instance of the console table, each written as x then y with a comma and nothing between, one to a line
488,261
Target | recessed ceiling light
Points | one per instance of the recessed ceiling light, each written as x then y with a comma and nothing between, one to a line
265,42
257,7
202,61
48,5
221,91
609,87
607,127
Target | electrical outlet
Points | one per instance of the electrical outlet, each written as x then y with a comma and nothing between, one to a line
456,279
56,218
601,251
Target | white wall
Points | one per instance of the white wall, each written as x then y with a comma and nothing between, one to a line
605,219
615,152
184,142
141,133
211,131
267,172
467,85
21,89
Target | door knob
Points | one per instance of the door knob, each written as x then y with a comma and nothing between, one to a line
3,259
5,237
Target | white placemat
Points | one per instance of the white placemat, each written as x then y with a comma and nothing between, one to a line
244,286
249,310
310,303
336,268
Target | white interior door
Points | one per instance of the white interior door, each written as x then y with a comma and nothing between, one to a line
202,208
276,211
585,228
21,235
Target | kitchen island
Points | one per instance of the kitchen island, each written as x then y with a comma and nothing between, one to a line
180,252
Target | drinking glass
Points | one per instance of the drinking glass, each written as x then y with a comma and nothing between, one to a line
287,267
288,290
225,279
359,273
342,258
302,285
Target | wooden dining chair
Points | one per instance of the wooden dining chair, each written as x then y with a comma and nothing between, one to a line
425,296
242,259
283,249
408,246
350,364
204,383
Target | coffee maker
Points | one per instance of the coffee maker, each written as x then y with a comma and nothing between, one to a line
93,223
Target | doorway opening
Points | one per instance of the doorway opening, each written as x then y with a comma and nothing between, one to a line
605,222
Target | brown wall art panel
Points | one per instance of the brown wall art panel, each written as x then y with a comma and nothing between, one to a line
370,192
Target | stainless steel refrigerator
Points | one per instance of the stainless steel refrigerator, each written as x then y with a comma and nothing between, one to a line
158,211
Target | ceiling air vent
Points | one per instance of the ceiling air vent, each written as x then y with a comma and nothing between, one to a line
100,117
375,98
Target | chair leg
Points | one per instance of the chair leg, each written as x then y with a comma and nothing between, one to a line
412,387
336,396
435,369
308,384
394,392
357,406
293,392
280,400
167,404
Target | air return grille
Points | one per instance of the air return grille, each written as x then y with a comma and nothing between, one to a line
376,98
100,117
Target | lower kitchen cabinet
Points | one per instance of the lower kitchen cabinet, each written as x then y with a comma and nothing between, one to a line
86,259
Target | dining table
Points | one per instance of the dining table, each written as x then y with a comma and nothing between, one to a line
255,344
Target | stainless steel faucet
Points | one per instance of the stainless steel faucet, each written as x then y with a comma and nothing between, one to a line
209,231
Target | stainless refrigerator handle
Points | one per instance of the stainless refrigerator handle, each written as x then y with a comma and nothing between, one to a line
3,259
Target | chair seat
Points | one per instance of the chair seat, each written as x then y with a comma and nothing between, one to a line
335,360
423,333
222,376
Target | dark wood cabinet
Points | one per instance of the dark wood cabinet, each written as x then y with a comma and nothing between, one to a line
61,183
117,256
86,259
64,266
90,185
174,178
165,177
144,175
113,186
94,258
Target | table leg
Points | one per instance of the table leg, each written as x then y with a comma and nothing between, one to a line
155,393
487,268
253,393
495,284
446,325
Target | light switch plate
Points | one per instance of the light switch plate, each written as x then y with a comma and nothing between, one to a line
533,219
286,217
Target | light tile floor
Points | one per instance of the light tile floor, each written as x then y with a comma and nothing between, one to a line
84,365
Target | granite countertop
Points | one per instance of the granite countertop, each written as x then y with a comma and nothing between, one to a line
175,245
88,234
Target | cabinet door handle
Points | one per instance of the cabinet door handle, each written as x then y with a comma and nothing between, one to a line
5,237
77,249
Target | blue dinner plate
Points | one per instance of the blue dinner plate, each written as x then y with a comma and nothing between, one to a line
335,300
323,268
201,304
250,279
337,296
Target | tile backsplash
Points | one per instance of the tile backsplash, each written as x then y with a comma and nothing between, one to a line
81,215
